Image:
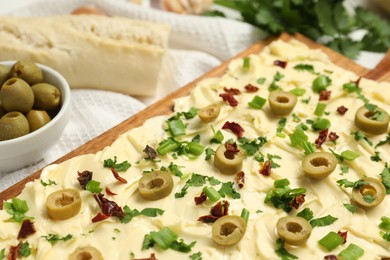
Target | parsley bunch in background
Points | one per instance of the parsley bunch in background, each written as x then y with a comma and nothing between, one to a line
326,21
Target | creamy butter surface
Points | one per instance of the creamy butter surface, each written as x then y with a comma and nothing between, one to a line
117,240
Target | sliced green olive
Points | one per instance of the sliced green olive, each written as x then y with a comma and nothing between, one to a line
86,253
228,230
28,71
282,102
155,185
293,230
37,119
209,113
319,165
364,121
63,204
228,163
371,194
4,74
13,125
16,95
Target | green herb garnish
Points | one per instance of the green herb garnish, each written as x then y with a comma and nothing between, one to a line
17,209
25,249
209,153
331,241
323,221
298,91
228,190
252,147
387,140
352,252
119,167
50,182
54,238
349,184
166,238
196,256
321,83
282,252
306,213
93,186
361,136
385,175
131,213
257,102
351,208
305,67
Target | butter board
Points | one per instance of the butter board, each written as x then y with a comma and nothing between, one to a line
165,105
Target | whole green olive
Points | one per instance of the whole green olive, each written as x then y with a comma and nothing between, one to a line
228,163
4,74
155,185
209,113
294,230
46,96
37,118
2,111
282,102
28,71
365,121
86,253
63,204
228,230
371,194
16,95
319,165
13,125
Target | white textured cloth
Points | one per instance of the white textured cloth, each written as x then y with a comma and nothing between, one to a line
196,45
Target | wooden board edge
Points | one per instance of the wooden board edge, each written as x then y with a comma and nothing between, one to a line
165,106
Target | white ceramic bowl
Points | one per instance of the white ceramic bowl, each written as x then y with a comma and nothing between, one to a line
25,150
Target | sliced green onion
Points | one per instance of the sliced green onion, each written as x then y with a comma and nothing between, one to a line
308,147
176,127
19,205
321,124
351,87
167,145
217,138
245,215
164,237
281,135
260,80
257,102
195,148
211,193
321,83
352,252
349,155
320,109
331,241
281,183
246,63
298,92
298,136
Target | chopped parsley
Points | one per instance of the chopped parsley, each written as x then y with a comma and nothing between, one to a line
323,221
209,153
281,125
196,256
50,182
93,186
361,136
306,213
305,67
191,113
196,180
387,140
17,209
368,198
175,170
261,80
282,252
218,136
282,196
344,169
131,213
25,249
349,184
252,147
351,208
385,175
306,100
119,167
228,190
54,238
376,157
321,124
377,114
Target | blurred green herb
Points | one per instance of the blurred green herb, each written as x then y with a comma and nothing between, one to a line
328,21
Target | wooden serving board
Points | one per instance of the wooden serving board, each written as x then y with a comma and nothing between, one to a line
165,105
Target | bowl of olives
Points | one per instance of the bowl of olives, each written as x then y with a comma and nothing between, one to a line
34,110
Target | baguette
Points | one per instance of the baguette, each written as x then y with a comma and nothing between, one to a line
90,51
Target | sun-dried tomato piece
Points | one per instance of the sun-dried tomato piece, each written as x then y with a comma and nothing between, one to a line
99,217
251,89
108,207
333,136
14,251
266,169
297,201
116,175
152,257
200,199
231,150
343,235
208,219
342,110
234,127
233,91
330,257
280,63
325,95
26,229
109,192
84,178
240,179
150,152
227,97
321,138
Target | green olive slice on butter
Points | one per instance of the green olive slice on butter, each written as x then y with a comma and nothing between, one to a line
228,230
86,253
228,163
63,204
294,230
155,185
370,194
365,120
319,165
209,113
282,102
